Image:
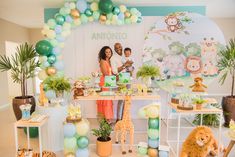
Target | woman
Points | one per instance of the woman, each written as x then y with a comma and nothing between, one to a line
105,107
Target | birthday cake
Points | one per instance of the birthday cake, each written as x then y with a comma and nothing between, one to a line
124,78
110,81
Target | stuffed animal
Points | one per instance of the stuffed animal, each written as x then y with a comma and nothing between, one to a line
198,86
78,89
200,143
42,97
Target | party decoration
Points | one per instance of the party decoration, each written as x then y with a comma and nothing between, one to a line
70,155
81,5
142,148
125,125
51,59
82,142
59,19
43,47
82,153
153,123
163,154
186,49
105,6
152,112
75,13
153,152
153,134
51,71
50,94
42,75
94,6
88,12
70,143
116,10
69,130
33,132
83,127
153,143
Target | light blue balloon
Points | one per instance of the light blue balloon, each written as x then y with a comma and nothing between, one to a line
59,65
68,19
153,134
44,65
58,29
153,143
163,153
121,16
50,94
66,4
81,5
82,153
60,38
56,50
69,130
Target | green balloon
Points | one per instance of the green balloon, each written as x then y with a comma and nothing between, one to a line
60,19
153,134
70,143
88,12
116,10
44,48
33,132
139,20
153,123
96,15
106,6
51,59
84,18
82,142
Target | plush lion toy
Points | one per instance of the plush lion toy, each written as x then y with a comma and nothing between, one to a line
200,143
198,86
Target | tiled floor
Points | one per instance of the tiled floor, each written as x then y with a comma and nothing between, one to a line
7,144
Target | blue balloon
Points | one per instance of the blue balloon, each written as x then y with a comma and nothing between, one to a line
56,50
121,16
81,6
153,143
82,153
60,38
58,29
50,94
44,65
59,65
68,19
163,153
69,130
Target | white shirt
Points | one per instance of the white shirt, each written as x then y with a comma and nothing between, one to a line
116,61
125,59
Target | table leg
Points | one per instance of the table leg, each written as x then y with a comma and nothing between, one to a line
16,138
201,119
230,146
40,141
28,138
178,136
220,124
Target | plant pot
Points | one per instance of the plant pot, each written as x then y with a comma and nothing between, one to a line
104,148
198,106
18,101
228,106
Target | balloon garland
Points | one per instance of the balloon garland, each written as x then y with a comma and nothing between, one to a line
71,15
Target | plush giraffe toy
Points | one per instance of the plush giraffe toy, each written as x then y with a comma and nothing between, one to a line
42,97
125,125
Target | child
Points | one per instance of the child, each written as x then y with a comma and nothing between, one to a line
127,53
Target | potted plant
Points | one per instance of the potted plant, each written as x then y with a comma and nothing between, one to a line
22,66
148,72
104,142
58,84
226,64
198,102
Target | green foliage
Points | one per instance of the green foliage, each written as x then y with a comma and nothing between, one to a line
104,130
226,62
176,48
58,84
148,71
192,49
22,65
198,101
207,119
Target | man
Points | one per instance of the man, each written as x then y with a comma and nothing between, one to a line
117,67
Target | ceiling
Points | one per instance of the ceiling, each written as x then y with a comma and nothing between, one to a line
29,13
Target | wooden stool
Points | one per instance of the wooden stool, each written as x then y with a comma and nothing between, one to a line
230,146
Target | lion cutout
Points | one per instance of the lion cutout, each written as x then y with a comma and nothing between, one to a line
200,143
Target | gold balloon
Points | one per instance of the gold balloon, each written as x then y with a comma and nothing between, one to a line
127,14
70,155
51,71
152,152
75,13
103,18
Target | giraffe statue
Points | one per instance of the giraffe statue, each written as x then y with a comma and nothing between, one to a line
42,97
125,125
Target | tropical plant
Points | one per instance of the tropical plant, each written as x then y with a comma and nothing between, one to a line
226,63
208,119
148,71
58,84
104,131
198,100
22,65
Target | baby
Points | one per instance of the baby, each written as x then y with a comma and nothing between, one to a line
127,53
